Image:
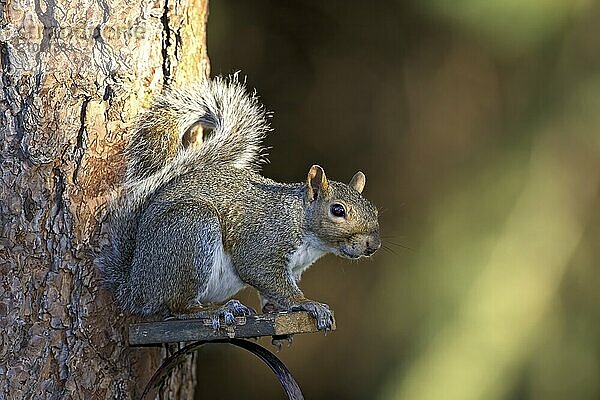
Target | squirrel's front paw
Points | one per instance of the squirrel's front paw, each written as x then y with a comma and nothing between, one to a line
319,311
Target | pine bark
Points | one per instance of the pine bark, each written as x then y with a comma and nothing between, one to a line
73,75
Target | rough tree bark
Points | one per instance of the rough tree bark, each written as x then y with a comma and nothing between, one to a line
73,75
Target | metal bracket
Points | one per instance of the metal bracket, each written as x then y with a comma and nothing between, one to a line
279,325
289,384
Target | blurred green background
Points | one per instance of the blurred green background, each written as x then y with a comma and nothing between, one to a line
477,124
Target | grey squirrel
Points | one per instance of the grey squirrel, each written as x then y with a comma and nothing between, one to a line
195,222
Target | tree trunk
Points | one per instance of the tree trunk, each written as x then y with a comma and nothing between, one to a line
73,76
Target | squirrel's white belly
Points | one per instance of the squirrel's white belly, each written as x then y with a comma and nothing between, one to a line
309,251
223,281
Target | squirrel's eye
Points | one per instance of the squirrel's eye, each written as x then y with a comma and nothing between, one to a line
337,210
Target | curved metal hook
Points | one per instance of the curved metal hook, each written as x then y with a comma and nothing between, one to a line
289,384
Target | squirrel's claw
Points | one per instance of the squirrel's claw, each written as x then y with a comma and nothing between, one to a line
216,323
229,318
238,309
319,311
229,310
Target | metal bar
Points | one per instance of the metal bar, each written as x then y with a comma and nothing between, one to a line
289,384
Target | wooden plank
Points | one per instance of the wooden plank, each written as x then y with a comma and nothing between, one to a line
187,330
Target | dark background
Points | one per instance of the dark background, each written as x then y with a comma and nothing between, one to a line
477,126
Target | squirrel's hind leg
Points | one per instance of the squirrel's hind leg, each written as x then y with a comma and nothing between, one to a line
181,264
175,255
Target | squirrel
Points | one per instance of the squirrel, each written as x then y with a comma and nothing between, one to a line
195,222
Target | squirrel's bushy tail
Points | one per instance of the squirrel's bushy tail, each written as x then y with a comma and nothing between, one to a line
115,258
237,119
157,153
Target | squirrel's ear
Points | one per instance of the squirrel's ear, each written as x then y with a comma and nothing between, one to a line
317,182
358,181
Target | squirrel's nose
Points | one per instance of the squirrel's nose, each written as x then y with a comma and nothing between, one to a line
373,244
